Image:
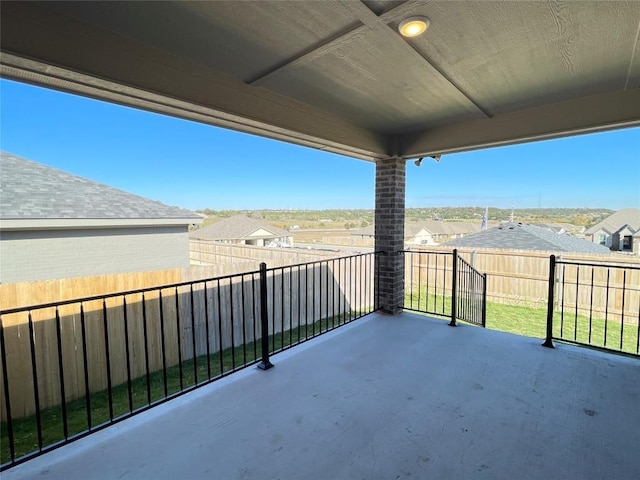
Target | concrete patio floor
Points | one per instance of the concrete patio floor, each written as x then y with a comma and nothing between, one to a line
385,398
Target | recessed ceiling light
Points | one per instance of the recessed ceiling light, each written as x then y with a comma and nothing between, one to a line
413,26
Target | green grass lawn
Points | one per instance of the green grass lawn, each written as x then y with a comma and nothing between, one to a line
527,321
532,322
144,393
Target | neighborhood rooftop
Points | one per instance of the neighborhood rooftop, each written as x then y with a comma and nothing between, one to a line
613,223
236,227
520,236
30,191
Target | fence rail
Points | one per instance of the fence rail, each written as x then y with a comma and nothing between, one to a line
73,367
444,284
593,304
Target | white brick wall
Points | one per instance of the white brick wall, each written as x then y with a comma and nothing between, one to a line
48,254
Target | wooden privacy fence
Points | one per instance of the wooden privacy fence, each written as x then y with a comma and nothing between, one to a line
214,253
77,347
14,295
519,277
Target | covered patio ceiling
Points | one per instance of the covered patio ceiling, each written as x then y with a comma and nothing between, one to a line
337,75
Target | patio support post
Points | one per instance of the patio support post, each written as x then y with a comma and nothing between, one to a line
389,233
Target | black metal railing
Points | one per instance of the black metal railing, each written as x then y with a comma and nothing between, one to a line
305,300
428,282
469,293
444,284
595,305
74,367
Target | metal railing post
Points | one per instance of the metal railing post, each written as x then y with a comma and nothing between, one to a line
548,342
7,397
378,269
265,364
454,288
484,300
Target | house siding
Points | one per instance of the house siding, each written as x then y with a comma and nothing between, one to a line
595,238
422,238
618,239
635,243
28,255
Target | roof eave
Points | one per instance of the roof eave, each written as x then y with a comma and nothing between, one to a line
90,223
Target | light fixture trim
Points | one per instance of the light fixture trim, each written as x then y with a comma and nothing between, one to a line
413,26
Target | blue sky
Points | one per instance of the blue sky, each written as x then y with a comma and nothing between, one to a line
197,166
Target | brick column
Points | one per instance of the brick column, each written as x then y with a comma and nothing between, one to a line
389,222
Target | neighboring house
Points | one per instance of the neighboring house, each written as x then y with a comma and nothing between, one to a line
622,238
440,231
243,230
635,242
416,234
57,225
426,233
518,236
617,230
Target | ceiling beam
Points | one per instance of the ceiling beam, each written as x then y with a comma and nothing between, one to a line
633,73
337,41
590,114
309,55
380,24
34,51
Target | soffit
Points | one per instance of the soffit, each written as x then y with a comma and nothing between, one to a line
514,55
336,75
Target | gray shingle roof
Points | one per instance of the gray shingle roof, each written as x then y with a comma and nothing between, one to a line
30,190
527,237
613,223
236,227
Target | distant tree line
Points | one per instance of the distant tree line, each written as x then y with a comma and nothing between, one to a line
359,218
